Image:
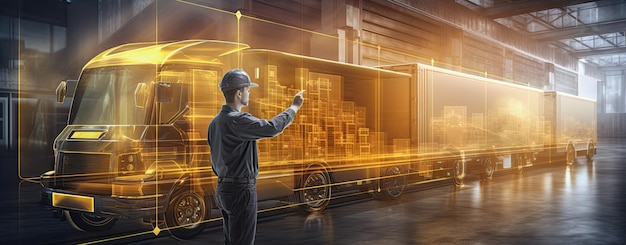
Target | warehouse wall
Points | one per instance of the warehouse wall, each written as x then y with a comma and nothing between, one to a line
366,32
401,36
612,125
612,104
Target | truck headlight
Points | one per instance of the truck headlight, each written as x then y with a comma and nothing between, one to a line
128,163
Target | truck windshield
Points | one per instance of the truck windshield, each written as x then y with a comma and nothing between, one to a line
105,96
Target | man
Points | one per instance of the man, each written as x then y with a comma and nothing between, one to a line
232,137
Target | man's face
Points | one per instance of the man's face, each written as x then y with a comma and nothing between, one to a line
245,95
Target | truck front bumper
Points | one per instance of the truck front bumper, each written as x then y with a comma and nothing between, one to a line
119,207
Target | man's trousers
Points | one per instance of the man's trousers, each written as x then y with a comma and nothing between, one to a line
238,204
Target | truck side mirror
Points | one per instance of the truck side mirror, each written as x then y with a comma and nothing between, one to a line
164,92
140,95
61,92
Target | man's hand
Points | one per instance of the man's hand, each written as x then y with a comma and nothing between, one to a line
297,100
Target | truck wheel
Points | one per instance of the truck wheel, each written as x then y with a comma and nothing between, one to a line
458,172
570,155
591,151
186,214
89,222
315,192
488,168
520,161
391,184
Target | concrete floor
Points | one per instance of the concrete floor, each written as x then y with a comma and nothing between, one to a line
551,204
581,204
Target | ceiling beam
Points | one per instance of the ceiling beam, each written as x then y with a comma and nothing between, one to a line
613,68
607,51
528,6
580,31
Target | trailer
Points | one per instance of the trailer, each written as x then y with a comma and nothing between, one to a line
135,145
470,123
571,129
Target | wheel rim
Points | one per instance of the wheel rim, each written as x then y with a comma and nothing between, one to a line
394,186
520,162
316,196
488,167
95,220
189,211
570,155
591,151
458,172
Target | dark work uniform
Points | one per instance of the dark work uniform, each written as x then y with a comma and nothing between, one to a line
232,137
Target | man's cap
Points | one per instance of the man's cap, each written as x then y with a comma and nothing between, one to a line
236,78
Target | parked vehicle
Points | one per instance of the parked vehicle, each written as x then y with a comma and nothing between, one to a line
483,123
570,127
135,143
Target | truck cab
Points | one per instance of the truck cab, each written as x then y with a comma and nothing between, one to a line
135,142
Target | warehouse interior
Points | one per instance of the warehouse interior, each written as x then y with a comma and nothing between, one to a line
576,47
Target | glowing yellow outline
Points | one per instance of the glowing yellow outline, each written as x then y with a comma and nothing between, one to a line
157,229
86,135
76,202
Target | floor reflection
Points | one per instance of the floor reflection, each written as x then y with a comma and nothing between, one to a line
548,204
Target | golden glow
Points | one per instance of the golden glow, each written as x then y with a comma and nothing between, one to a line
86,135
189,51
129,190
75,202
339,124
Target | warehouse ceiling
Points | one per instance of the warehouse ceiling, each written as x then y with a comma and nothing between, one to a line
593,31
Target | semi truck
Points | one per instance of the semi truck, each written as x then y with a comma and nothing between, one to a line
135,141
571,127
486,123
493,125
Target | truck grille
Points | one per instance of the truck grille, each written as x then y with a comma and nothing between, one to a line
85,164
85,173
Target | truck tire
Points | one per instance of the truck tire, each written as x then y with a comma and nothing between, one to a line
520,161
570,155
591,151
458,172
89,222
186,214
392,183
315,190
488,168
